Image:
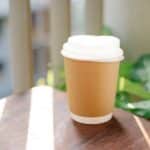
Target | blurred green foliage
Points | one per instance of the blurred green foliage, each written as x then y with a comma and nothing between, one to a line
106,30
62,84
141,71
133,92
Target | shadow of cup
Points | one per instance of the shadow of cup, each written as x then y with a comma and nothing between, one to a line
93,133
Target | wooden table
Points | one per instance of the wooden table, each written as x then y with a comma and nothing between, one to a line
123,132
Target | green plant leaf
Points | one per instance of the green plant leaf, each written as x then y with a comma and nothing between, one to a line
125,85
141,71
125,69
141,108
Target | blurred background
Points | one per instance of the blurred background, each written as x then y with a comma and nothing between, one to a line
23,65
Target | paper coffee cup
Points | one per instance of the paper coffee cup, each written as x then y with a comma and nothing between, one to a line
91,67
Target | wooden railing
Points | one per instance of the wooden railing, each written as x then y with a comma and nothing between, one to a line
60,29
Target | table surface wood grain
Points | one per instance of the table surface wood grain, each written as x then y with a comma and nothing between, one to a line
123,132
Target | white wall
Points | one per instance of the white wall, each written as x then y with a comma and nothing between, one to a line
130,20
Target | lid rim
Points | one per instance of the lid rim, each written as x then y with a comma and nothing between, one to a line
118,58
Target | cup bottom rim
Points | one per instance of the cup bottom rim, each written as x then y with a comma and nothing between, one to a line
91,120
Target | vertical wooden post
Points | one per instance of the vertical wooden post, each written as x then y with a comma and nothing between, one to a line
21,44
59,32
86,16
93,16
78,17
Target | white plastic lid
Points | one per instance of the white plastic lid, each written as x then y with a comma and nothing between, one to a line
93,48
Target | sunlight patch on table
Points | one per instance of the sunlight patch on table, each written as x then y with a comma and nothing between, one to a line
40,129
2,107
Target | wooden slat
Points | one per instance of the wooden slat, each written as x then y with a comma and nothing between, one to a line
59,32
21,44
93,16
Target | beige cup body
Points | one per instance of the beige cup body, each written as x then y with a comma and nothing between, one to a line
91,87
